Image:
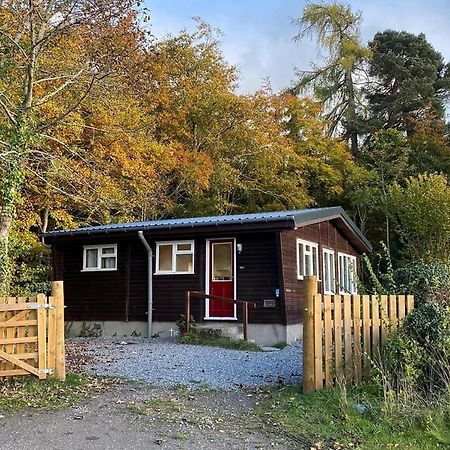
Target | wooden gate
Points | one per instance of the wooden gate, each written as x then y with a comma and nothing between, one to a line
32,335
342,333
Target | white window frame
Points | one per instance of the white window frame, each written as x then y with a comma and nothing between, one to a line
175,252
99,249
329,254
350,276
313,245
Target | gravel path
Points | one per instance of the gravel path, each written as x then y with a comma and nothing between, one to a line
164,363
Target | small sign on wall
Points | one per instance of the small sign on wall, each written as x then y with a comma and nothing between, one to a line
269,303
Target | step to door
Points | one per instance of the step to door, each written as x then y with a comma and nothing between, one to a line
231,330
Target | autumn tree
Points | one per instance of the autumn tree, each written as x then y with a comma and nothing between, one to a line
52,62
337,82
430,144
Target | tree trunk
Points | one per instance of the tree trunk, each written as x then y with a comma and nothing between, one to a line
5,268
351,116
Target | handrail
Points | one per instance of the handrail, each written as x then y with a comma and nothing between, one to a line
199,294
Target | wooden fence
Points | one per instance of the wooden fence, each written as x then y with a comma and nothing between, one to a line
32,335
342,333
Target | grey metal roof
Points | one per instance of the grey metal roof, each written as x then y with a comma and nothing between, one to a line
287,219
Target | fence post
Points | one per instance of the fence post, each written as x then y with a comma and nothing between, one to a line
308,335
51,338
42,336
187,297
60,361
245,320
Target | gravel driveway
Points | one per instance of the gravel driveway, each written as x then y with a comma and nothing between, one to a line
165,363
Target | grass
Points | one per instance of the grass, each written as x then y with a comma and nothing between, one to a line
200,338
281,345
29,392
331,420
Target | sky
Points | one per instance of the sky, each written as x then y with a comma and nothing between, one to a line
257,35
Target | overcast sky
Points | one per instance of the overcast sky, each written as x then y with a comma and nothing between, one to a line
257,34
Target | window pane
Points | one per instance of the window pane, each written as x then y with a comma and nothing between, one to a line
308,265
165,257
332,276
314,261
108,251
302,260
326,272
222,264
91,258
184,247
184,263
109,263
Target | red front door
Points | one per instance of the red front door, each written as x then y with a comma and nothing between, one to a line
221,277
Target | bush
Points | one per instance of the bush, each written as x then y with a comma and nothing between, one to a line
416,358
427,282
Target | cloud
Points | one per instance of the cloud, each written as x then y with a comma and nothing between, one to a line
258,33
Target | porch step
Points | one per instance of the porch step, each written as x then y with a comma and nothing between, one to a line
231,330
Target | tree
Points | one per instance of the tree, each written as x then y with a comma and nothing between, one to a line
336,82
55,54
387,156
430,144
408,75
421,211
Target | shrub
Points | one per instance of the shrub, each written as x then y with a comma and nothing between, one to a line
181,323
427,282
416,358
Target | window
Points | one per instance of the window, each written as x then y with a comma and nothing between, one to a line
222,261
307,259
100,257
329,272
347,274
174,257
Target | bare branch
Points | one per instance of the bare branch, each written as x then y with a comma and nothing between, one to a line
80,100
8,112
19,47
60,88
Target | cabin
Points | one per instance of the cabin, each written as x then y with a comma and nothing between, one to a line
131,278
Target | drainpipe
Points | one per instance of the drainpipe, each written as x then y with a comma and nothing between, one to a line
150,284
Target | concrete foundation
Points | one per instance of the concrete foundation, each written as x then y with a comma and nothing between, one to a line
263,334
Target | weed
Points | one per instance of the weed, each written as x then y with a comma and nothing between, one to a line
90,330
281,345
28,392
196,338
67,328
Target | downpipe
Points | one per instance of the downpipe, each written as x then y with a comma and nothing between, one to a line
150,283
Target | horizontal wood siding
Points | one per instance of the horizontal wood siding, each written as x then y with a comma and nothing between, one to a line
258,277
122,295
168,290
93,296
327,236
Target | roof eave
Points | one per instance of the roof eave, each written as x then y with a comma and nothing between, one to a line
334,213
287,222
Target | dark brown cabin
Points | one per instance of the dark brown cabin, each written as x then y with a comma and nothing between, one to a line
259,257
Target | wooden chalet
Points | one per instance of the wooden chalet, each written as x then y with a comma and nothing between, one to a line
114,275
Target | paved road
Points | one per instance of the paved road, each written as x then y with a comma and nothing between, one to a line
137,416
